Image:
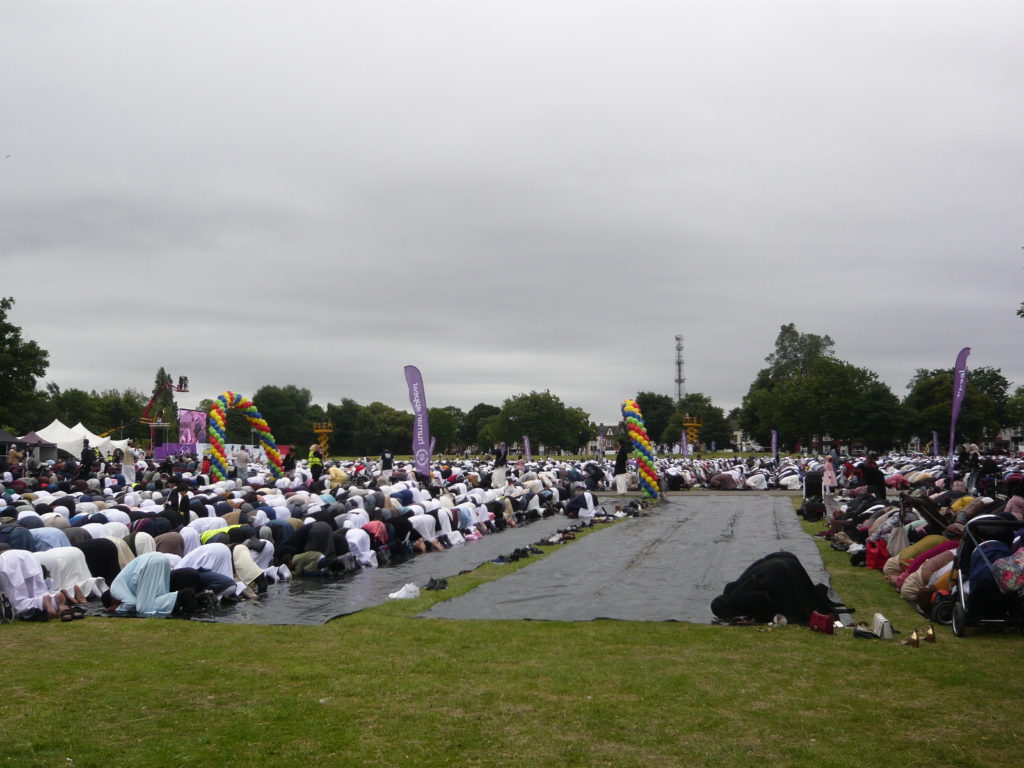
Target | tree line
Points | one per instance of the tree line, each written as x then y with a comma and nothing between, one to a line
804,392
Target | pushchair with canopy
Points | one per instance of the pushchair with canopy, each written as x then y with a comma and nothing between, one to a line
981,593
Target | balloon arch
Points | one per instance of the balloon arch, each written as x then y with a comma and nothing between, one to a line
218,435
642,450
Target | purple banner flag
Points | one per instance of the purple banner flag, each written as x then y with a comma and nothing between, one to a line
420,425
959,387
775,442
684,444
935,443
526,448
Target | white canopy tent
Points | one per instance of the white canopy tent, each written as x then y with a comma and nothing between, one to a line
71,439
104,444
61,435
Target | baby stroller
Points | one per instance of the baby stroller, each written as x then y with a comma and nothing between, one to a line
978,598
812,485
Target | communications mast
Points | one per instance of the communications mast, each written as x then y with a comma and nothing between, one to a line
680,378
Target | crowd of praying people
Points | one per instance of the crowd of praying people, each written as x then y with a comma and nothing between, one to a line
913,536
150,538
178,539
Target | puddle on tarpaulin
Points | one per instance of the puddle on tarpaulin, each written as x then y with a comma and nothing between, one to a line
311,600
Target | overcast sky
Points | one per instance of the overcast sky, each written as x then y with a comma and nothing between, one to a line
512,196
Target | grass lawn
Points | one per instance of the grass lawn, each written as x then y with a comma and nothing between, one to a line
382,688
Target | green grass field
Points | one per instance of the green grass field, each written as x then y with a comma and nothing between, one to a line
382,688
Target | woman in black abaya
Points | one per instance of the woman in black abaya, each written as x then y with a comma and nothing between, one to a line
775,584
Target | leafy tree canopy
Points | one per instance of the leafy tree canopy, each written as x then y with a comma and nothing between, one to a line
657,411
929,403
544,418
22,362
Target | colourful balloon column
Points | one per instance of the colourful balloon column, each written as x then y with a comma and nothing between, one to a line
217,433
642,451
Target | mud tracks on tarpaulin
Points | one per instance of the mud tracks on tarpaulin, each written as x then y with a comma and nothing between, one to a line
666,566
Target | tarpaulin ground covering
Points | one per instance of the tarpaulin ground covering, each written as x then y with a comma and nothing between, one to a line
667,566
315,600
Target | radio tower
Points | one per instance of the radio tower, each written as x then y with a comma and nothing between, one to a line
680,378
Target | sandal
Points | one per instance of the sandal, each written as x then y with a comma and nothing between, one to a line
863,631
67,614
33,614
78,612
6,609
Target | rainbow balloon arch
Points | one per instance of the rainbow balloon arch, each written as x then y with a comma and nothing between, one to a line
217,433
642,451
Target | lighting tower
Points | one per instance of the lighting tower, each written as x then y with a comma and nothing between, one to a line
680,379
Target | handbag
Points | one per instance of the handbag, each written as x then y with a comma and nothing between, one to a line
820,622
898,540
877,554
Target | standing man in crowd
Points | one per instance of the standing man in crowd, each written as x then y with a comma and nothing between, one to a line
622,467
242,459
387,464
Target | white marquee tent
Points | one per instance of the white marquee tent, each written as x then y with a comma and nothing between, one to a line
71,439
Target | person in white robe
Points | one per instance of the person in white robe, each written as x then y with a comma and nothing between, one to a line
22,580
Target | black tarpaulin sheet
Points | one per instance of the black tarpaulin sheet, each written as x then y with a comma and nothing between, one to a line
667,566
315,600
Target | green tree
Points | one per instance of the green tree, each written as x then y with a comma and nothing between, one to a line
487,432
380,426
22,362
469,431
287,411
344,416
992,382
848,402
929,406
444,426
543,417
115,408
579,428
657,411
1015,408
795,352
164,408
75,405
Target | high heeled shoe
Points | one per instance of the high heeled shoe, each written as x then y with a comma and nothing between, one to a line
913,640
929,634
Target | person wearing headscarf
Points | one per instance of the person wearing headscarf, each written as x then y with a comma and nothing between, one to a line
101,556
143,587
359,545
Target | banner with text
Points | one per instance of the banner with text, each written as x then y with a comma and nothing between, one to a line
959,387
420,424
